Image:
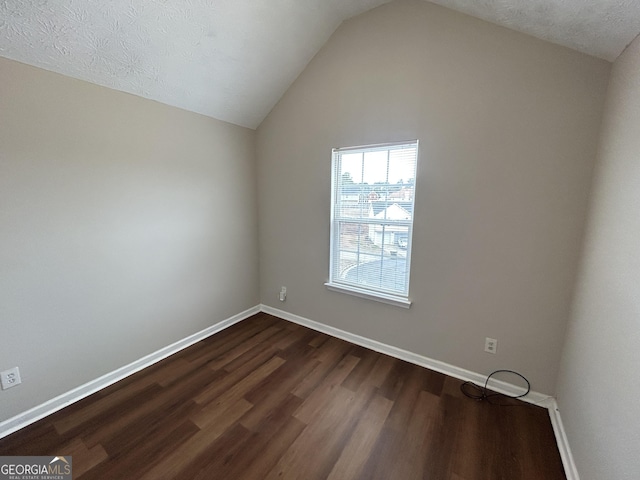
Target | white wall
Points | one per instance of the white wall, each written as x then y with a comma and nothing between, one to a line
507,126
125,225
599,386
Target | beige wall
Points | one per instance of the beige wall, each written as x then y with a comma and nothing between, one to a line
507,126
125,225
598,387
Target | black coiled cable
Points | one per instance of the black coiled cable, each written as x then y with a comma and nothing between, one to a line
482,391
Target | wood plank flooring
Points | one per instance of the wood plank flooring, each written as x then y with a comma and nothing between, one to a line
268,399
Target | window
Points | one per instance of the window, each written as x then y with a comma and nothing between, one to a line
373,191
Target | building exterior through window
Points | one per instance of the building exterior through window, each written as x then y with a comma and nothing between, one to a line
373,193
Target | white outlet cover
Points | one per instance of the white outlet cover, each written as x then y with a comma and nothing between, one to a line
490,345
10,378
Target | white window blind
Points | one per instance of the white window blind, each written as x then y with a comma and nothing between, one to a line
373,192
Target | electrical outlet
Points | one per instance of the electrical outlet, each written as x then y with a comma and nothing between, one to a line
10,378
283,294
490,345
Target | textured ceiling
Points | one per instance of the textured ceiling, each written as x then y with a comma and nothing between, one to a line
602,28
229,59
233,59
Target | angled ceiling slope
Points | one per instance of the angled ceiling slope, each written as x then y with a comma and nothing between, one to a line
602,28
228,59
234,59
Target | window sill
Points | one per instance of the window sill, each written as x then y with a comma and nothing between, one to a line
378,297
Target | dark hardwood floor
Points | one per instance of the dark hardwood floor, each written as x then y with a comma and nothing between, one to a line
268,399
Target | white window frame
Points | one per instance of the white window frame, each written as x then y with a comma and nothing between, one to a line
339,285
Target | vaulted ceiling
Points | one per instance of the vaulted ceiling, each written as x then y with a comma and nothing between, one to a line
234,59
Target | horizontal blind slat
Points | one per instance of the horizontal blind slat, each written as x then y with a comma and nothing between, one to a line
373,192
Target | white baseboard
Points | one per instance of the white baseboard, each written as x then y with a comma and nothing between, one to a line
570,469
535,398
51,406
